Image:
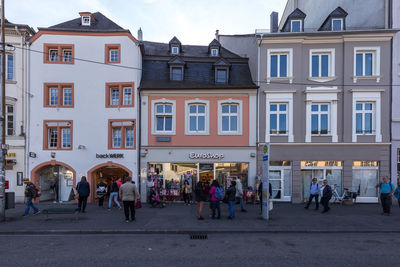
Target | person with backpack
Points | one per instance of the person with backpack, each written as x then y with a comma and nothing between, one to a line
200,198
326,196
397,192
101,192
83,189
314,193
217,194
113,195
231,198
386,188
30,194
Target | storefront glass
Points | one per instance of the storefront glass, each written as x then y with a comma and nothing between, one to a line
365,178
56,183
280,178
329,170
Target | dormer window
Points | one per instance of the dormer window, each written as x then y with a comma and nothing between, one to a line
214,52
337,24
175,50
221,75
85,20
176,73
296,25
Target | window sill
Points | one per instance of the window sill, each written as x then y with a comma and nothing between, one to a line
229,133
322,79
278,134
11,82
202,133
163,133
326,135
279,79
374,77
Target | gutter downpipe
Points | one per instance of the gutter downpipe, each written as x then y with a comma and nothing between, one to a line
258,89
28,103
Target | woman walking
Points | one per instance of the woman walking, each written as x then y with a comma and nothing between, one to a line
83,189
216,196
113,194
186,192
200,198
231,197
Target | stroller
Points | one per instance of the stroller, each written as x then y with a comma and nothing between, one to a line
155,199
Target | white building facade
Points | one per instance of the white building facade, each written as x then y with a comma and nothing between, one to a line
16,68
83,105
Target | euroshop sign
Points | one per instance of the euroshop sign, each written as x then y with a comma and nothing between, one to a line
207,155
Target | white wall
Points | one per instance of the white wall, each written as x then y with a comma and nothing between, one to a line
89,115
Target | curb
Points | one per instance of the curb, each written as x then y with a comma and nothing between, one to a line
189,231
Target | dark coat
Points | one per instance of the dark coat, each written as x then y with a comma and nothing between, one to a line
260,188
231,192
327,192
200,196
83,189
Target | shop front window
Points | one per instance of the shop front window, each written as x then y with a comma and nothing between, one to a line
280,177
365,177
56,183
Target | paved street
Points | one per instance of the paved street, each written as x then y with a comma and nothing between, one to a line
267,249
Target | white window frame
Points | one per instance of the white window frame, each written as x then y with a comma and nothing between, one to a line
175,50
226,74
320,113
171,73
62,138
315,95
280,96
214,50
368,95
13,67
6,118
50,98
289,63
50,57
376,63
63,96
114,88
367,199
206,121
85,20
240,116
49,137
64,57
363,112
126,136
277,113
154,120
110,57
284,198
296,20
129,98
112,137
330,52
341,23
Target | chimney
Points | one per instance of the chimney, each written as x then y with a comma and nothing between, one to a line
217,34
140,35
274,22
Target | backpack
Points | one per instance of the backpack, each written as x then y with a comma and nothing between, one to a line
101,189
218,193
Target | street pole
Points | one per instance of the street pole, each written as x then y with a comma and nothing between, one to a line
265,181
3,119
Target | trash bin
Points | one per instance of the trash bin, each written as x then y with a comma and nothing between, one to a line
10,200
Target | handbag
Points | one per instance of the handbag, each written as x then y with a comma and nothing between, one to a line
270,205
138,204
76,194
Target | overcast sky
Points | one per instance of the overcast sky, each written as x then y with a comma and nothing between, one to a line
192,21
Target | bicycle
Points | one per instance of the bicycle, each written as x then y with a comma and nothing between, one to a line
347,195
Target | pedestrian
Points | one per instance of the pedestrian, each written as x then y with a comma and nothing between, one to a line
186,192
260,190
200,198
326,196
83,189
314,193
231,198
386,188
397,192
239,194
217,195
113,195
129,194
101,192
30,195
119,182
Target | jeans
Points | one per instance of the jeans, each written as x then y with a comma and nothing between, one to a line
82,203
240,200
215,205
129,205
386,202
316,196
29,204
101,201
113,195
231,210
325,203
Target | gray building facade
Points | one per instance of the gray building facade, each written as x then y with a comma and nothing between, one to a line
324,100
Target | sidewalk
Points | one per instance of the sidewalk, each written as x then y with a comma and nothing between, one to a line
177,218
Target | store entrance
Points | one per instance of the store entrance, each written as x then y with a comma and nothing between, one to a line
56,183
107,174
206,172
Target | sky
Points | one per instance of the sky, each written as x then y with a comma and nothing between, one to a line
191,21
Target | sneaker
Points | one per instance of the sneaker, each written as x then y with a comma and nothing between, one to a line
119,208
36,212
126,221
54,201
25,215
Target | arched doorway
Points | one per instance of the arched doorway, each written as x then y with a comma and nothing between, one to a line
106,172
55,180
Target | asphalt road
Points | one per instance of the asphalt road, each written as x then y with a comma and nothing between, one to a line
218,250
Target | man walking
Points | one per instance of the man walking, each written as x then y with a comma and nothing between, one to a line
129,194
386,188
239,194
326,196
314,193
30,194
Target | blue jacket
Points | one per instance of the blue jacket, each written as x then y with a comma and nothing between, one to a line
83,189
397,192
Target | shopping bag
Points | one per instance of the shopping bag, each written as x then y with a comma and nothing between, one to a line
270,205
138,204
